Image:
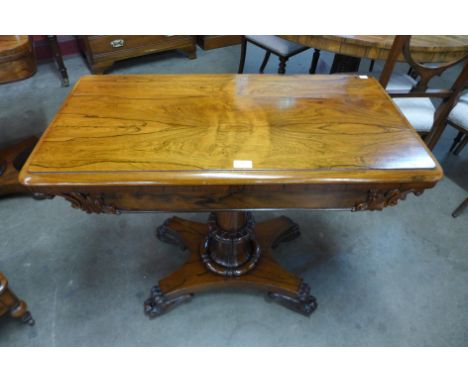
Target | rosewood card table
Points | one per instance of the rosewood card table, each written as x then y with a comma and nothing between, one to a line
228,145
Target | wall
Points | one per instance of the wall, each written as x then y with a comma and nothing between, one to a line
68,46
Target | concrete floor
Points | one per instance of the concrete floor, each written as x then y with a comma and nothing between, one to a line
392,278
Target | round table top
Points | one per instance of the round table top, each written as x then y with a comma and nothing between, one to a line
434,48
13,45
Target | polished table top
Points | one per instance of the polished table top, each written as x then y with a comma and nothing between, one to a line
154,130
431,48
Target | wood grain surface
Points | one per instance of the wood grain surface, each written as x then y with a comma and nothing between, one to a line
176,130
17,60
103,51
431,48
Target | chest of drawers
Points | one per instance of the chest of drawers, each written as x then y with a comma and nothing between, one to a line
102,51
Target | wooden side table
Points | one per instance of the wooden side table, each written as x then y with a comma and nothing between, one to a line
10,304
17,60
229,144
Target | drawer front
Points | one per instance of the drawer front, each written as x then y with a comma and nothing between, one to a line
109,44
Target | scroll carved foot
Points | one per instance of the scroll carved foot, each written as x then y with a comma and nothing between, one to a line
19,312
158,303
303,303
28,319
166,234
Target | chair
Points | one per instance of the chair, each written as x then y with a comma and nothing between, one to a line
413,96
54,46
458,118
280,47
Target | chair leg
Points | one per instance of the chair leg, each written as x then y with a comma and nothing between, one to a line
315,60
58,59
371,66
265,61
461,146
460,208
412,73
456,140
282,65
242,57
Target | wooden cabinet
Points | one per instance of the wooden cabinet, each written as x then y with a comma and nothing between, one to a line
218,41
102,51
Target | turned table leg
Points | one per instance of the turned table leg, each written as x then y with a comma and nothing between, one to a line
11,304
54,45
231,251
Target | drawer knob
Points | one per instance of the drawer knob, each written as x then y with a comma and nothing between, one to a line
117,43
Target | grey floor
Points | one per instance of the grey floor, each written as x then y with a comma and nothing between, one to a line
392,278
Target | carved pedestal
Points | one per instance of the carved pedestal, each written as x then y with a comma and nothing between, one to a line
11,304
231,251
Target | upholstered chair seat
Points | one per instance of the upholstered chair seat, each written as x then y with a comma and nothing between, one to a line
419,111
277,45
459,114
458,118
280,47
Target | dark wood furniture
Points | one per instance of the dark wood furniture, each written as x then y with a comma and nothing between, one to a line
12,305
218,41
17,60
460,208
58,59
459,143
350,49
12,160
229,144
415,98
102,51
280,47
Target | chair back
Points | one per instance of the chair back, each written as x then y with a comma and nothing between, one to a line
424,73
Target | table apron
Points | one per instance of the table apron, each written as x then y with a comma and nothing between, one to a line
213,198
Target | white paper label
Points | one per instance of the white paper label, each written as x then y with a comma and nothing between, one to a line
242,164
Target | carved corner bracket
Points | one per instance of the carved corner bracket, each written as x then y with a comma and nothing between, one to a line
377,200
89,203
